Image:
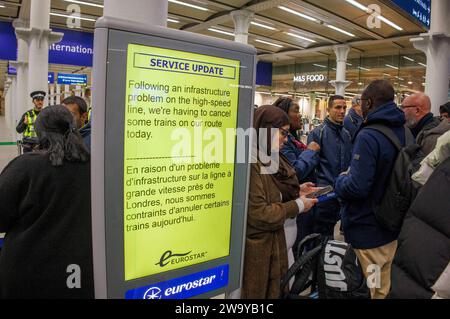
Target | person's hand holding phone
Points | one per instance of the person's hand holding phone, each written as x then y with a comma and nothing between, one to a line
308,188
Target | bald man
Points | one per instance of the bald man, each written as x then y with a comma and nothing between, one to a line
425,127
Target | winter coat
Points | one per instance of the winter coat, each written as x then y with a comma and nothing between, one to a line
428,136
423,252
352,122
304,161
335,152
363,187
45,212
266,259
436,157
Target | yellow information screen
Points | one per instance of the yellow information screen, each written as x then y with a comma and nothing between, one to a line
180,113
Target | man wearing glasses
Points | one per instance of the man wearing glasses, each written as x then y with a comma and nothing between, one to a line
425,127
26,123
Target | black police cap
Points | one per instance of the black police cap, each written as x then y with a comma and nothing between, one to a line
37,94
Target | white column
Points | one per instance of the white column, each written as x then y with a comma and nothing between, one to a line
8,108
436,45
340,83
51,97
241,19
153,12
58,94
66,91
39,37
22,94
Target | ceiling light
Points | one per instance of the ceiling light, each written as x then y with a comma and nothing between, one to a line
386,74
424,65
409,59
172,20
72,17
269,43
221,32
392,24
423,84
262,25
263,92
349,64
410,83
86,3
392,67
340,30
320,65
297,13
189,5
360,83
401,79
2,6
300,37
333,69
358,5
361,68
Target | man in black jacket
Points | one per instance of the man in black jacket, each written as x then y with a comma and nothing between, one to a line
424,243
425,127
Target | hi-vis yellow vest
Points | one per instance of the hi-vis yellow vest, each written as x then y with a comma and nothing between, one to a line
29,131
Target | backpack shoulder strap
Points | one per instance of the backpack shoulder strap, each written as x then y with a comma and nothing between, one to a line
386,131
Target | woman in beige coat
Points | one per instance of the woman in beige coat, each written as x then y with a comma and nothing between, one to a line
273,198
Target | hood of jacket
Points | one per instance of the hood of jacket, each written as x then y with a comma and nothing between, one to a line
389,114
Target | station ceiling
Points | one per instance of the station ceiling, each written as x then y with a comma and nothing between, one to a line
282,30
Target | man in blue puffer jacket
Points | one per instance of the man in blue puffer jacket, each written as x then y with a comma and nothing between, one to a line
363,186
334,158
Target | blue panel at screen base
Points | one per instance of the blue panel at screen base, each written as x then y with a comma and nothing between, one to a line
183,287
264,73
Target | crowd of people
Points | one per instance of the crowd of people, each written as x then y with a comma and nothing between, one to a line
357,160
45,197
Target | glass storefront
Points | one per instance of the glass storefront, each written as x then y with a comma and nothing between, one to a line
308,80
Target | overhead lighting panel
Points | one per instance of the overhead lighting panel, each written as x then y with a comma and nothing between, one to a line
263,26
300,37
320,65
387,21
221,32
407,58
189,5
269,43
172,20
340,30
378,16
392,67
91,4
298,13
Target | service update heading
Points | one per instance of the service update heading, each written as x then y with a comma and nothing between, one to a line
170,64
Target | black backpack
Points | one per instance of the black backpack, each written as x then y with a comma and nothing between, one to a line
401,190
330,270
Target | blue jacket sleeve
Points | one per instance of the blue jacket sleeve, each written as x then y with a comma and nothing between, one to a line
304,164
358,183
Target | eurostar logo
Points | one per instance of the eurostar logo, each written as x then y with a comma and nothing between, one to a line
153,293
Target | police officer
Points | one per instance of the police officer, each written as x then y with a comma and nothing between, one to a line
26,123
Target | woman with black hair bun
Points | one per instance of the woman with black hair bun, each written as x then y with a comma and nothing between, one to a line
45,212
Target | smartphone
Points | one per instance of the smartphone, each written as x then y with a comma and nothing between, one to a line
323,191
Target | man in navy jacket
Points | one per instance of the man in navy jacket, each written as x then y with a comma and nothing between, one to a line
334,158
354,118
363,186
